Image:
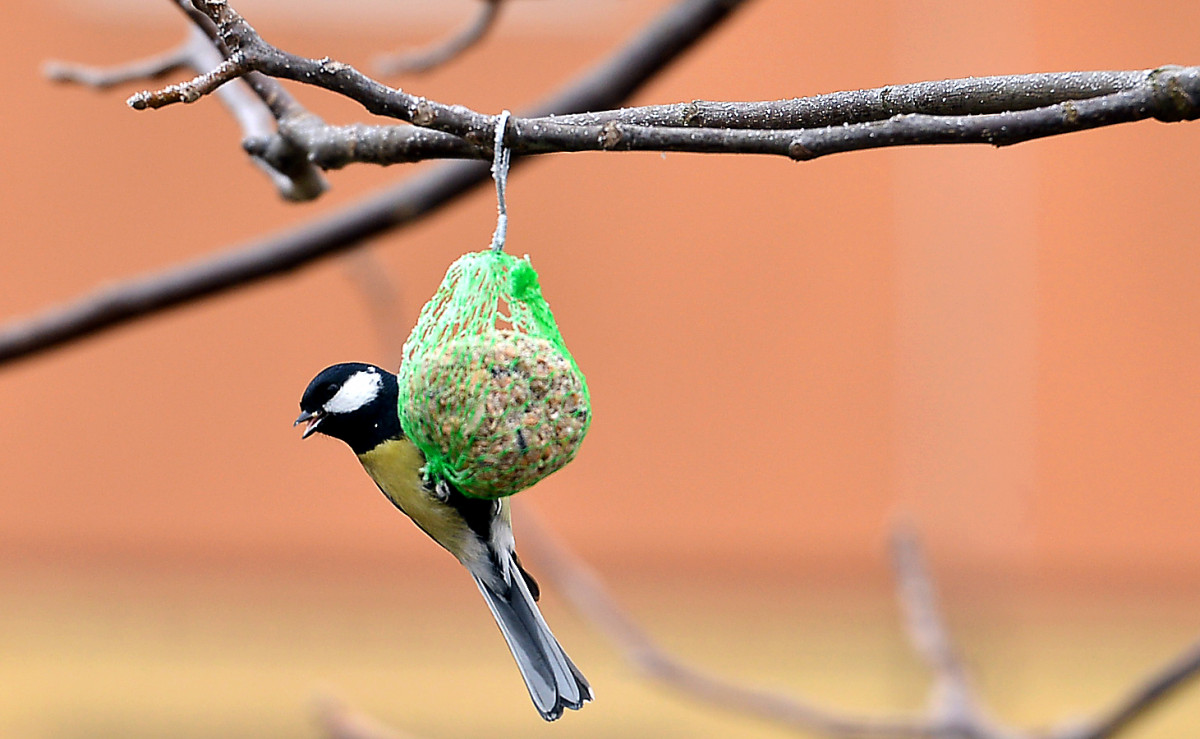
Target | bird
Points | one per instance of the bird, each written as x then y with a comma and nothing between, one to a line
357,403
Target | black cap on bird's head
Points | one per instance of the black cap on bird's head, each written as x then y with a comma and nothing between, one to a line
354,402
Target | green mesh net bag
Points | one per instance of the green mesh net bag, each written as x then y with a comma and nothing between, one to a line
488,390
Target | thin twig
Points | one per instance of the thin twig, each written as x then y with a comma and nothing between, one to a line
610,82
445,50
953,700
1151,693
295,177
288,165
381,295
249,52
278,100
138,70
195,88
195,53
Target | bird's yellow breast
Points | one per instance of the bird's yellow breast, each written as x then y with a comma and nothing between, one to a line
395,466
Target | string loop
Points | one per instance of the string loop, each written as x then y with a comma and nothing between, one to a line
500,162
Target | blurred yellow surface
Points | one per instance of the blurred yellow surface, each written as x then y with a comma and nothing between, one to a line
205,657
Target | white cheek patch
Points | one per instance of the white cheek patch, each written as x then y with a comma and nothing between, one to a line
361,388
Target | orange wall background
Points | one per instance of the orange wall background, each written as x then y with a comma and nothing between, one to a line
785,358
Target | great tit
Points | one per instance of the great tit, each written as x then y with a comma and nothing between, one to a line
357,403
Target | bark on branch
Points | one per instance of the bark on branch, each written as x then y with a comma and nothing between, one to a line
1014,109
995,110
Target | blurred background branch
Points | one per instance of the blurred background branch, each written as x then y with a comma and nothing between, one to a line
445,50
955,711
1142,699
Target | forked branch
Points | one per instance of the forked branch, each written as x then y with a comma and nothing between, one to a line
255,105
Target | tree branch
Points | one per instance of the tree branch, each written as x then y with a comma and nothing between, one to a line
445,50
1165,94
253,105
138,70
1151,693
189,92
606,85
287,164
964,96
953,702
249,52
996,110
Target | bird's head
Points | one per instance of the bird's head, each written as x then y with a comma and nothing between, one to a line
353,402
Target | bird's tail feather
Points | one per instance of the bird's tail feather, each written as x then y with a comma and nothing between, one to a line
553,680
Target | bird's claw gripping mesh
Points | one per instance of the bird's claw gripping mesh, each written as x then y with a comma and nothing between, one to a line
488,390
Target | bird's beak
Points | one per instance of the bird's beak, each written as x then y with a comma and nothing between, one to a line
314,419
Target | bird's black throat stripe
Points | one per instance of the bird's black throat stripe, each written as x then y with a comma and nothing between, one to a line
365,434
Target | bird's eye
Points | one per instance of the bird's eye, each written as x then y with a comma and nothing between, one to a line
330,389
